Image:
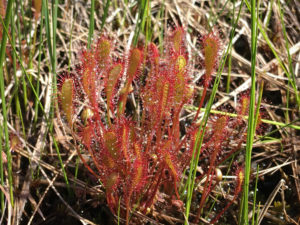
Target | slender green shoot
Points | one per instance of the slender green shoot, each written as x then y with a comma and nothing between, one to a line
254,197
258,104
62,166
251,119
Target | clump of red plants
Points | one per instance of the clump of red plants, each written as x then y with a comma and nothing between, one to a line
125,113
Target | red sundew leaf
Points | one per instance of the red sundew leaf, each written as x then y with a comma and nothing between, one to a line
15,142
139,169
164,99
87,134
240,179
210,50
111,181
170,159
193,134
2,8
89,77
113,77
110,139
243,108
177,39
189,93
220,129
148,92
134,62
153,57
125,141
66,97
180,82
37,5
103,49
138,173
244,105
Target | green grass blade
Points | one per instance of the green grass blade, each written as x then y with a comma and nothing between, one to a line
14,64
62,165
92,23
251,119
54,26
105,14
142,15
47,26
1,171
254,197
230,56
36,109
2,89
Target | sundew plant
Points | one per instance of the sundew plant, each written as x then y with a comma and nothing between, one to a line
124,112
